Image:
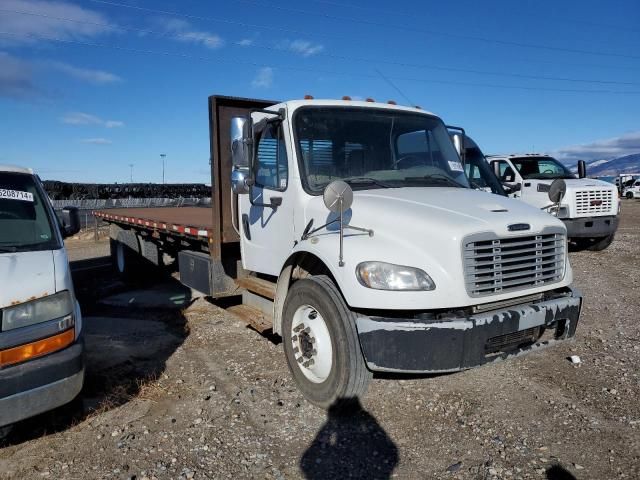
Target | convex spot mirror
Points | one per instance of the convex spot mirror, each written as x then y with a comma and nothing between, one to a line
338,196
557,190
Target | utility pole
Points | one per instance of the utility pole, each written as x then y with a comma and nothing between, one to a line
131,175
162,156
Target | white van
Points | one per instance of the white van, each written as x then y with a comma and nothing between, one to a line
41,347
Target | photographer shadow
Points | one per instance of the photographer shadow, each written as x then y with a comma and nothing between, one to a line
351,444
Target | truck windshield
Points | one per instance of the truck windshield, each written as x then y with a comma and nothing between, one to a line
25,224
375,148
532,168
481,177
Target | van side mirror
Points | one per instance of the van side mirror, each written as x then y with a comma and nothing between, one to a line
582,169
70,221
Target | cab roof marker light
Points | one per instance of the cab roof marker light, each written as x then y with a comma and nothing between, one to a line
308,97
346,97
369,99
391,102
418,107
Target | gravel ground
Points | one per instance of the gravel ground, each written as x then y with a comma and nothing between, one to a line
193,393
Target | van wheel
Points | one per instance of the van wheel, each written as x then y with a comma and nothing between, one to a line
601,243
321,344
629,195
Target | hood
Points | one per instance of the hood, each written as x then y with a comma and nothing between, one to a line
455,211
578,183
26,276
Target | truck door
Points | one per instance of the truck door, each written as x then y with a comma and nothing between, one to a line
508,176
266,213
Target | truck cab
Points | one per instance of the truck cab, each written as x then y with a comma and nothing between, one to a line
632,190
41,347
382,256
589,208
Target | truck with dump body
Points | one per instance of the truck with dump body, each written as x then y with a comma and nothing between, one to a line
41,345
350,230
589,208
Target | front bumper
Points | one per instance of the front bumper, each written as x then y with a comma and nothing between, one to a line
41,384
458,343
590,227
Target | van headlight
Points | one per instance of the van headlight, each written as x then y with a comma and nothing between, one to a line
387,276
37,311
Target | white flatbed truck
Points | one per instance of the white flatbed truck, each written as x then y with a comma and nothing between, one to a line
350,230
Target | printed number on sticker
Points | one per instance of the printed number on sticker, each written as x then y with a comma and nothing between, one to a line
455,166
16,195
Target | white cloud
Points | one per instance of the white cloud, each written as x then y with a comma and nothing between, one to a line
16,78
183,31
95,77
47,21
625,144
97,141
80,118
246,42
264,78
301,47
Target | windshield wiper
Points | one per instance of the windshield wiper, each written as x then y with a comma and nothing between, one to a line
438,177
8,249
373,181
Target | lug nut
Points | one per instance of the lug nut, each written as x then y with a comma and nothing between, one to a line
294,338
298,327
300,359
308,363
296,349
306,330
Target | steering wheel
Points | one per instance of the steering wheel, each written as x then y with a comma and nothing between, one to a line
409,156
548,171
10,215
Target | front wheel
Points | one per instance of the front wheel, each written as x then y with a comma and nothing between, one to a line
321,344
629,195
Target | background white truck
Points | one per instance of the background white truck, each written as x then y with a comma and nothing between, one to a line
589,208
41,347
350,230
632,191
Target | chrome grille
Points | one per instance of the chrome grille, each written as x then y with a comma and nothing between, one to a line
593,201
500,265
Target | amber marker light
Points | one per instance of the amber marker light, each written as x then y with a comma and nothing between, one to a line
36,349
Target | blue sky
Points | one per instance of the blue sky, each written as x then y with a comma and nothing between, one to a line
88,87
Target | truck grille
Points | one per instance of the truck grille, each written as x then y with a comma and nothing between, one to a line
500,265
593,201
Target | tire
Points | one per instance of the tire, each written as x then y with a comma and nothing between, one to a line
601,243
629,195
4,432
125,252
318,302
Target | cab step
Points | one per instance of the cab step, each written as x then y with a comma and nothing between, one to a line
259,286
253,317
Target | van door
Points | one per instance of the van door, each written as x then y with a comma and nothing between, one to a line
266,213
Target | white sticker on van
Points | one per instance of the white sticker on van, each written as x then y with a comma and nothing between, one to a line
16,195
455,166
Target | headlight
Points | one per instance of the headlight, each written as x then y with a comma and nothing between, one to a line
387,276
37,311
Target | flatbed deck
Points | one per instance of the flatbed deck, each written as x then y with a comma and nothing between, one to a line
191,221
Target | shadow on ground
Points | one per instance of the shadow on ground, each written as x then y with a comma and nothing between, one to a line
129,335
350,445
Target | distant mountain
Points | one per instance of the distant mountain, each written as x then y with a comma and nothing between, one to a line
612,166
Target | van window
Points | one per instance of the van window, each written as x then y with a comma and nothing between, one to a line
25,224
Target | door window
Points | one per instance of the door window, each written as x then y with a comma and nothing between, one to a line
271,167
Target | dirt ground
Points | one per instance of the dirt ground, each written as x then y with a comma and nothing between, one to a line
176,387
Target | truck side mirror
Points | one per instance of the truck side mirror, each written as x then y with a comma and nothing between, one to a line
557,190
241,153
582,169
458,143
70,221
496,169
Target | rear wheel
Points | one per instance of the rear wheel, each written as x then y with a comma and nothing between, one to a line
125,252
321,344
601,243
629,195
4,432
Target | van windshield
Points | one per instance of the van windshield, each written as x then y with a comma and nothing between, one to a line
375,148
532,168
25,224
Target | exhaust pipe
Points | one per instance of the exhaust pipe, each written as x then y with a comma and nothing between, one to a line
582,169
